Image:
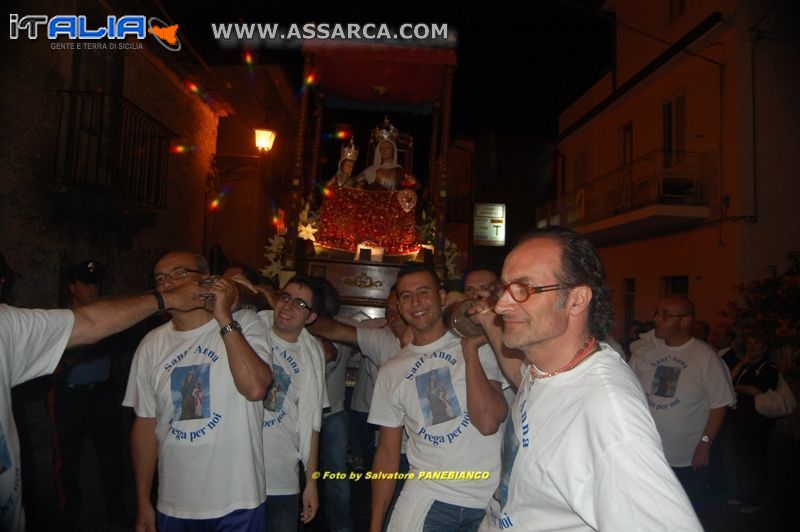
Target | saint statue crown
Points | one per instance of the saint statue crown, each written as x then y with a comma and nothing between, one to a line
385,131
350,151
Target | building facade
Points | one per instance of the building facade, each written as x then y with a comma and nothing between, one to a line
681,162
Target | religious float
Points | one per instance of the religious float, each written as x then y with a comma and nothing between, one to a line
356,219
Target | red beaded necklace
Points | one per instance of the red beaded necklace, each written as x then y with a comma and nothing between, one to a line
583,353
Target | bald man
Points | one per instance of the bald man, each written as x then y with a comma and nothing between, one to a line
688,390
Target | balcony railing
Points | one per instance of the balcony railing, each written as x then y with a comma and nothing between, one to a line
106,142
676,178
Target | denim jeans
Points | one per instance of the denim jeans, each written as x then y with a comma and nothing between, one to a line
443,517
333,458
283,513
366,437
249,520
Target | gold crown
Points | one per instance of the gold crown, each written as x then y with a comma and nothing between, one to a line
385,131
349,151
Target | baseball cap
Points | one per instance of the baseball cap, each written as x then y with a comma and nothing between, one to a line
89,272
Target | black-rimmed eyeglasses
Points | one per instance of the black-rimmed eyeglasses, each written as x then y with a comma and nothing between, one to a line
297,303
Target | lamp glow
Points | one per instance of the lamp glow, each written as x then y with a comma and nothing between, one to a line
265,138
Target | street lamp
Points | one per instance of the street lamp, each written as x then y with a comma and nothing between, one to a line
265,138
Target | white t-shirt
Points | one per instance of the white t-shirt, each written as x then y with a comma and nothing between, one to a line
581,452
293,404
335,378
682,384
210,457
31,344
424,388
376,346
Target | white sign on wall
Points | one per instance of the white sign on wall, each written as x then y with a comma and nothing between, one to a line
489,226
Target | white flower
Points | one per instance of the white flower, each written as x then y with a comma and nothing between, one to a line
272,269
306,232
276,243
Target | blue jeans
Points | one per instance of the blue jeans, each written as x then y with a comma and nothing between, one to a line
333,458
366,437
283,513
443,517
247,520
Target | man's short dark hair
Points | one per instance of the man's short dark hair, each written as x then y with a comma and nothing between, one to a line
580,265
418,267
478,268
317,291
330,307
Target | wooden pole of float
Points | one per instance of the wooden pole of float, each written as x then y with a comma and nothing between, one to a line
441,198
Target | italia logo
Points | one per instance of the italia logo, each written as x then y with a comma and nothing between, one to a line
77,28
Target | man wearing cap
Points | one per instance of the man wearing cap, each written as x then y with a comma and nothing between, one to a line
31,344
82,404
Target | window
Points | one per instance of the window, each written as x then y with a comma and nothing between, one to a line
676,285
673,129
626,137
580,168
676,9
629,293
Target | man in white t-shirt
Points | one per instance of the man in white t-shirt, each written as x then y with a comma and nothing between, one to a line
377,340
31,345
196,385
688,390
580,450
446,394
294,403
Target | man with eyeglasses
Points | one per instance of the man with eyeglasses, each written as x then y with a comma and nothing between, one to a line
293,406
580,449
196,385
460,437
31,344
688,390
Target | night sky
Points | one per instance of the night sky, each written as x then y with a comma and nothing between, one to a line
519,63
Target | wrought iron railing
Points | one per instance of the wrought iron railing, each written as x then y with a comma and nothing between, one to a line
107,142
659,177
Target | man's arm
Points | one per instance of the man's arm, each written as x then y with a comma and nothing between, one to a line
333,330
714,422
485,402
106,317
387,460
144,454
510,360
310,493
251,375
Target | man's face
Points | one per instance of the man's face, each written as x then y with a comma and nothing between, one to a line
176,269
670,319
289,318
387,151
478,281
83,293
393,317
719,337
420,301
539,318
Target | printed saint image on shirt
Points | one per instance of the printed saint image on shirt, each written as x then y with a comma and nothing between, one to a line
665,381
5,458
508,454
277,390
191,394
437,398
